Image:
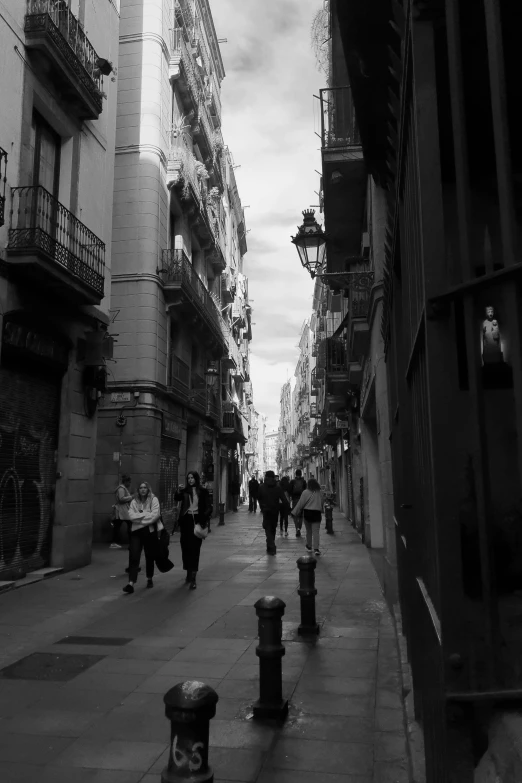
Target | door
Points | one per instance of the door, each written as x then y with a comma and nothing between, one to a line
29,418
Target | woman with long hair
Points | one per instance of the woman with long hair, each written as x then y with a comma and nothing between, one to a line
195,510
310,504
144,514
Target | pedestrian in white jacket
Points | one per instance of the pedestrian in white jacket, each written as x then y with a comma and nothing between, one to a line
311,504
144,513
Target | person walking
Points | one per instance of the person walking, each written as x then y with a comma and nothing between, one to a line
253,492
283,513
311,504
121,510
144,513
297,487
270,496
235,490
195,510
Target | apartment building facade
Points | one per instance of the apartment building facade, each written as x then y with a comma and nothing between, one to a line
180,309
421,175
57,134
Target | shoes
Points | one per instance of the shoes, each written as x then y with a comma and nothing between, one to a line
115,546
308,548
317,553
150,583
298,534
286,533
192,586
271,551
128,588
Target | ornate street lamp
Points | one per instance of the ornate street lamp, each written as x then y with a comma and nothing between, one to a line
311,243
211,375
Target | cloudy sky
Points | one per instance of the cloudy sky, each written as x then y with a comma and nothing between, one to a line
269,119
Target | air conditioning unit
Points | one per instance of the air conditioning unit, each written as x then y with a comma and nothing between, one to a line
365,245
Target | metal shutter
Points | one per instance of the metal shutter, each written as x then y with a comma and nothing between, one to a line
29,417
168,483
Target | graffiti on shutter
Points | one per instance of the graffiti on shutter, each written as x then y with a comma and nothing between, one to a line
29,410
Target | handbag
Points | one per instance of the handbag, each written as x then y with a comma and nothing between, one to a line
200,532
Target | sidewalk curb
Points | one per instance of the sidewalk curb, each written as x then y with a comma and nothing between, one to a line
414,733
31,579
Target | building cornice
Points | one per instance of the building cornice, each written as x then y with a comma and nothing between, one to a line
126,149
146,36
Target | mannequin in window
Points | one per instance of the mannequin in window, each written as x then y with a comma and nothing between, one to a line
491,347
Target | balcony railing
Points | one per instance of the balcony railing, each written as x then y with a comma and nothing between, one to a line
57,22
3,180
359,301
40,224
338,124
177,271
336,359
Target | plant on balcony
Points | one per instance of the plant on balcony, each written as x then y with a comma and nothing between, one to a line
201,171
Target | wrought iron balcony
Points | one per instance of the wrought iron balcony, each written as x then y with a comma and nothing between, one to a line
336,360
3,180
52,29
178,274
338,123
233,423
228,287
60,250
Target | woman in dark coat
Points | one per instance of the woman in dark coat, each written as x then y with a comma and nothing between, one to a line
195,509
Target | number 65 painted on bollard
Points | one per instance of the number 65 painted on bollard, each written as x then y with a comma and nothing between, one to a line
189,706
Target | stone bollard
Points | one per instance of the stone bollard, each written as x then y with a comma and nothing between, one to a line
221,514
328,515
189,706
307,591
270,651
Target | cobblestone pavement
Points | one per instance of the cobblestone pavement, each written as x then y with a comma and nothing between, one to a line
106,723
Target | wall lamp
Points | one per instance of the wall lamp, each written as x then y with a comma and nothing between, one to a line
310,241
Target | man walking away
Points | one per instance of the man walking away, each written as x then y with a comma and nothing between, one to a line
283,514
253,492
297,487
270,496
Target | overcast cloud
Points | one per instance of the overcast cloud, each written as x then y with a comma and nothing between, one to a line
268,123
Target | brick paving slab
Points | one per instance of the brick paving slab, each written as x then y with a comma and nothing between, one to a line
107,724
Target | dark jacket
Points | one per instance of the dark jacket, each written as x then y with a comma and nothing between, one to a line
295,490
204,505
253,487
271,495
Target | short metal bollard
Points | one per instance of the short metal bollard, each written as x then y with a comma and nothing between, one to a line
270,651
189,706
307,590
328,516
221,514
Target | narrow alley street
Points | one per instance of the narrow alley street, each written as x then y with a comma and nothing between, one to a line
106,724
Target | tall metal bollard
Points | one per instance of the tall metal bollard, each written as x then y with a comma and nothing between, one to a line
307,590
328,516
221,514
189,706
270,651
